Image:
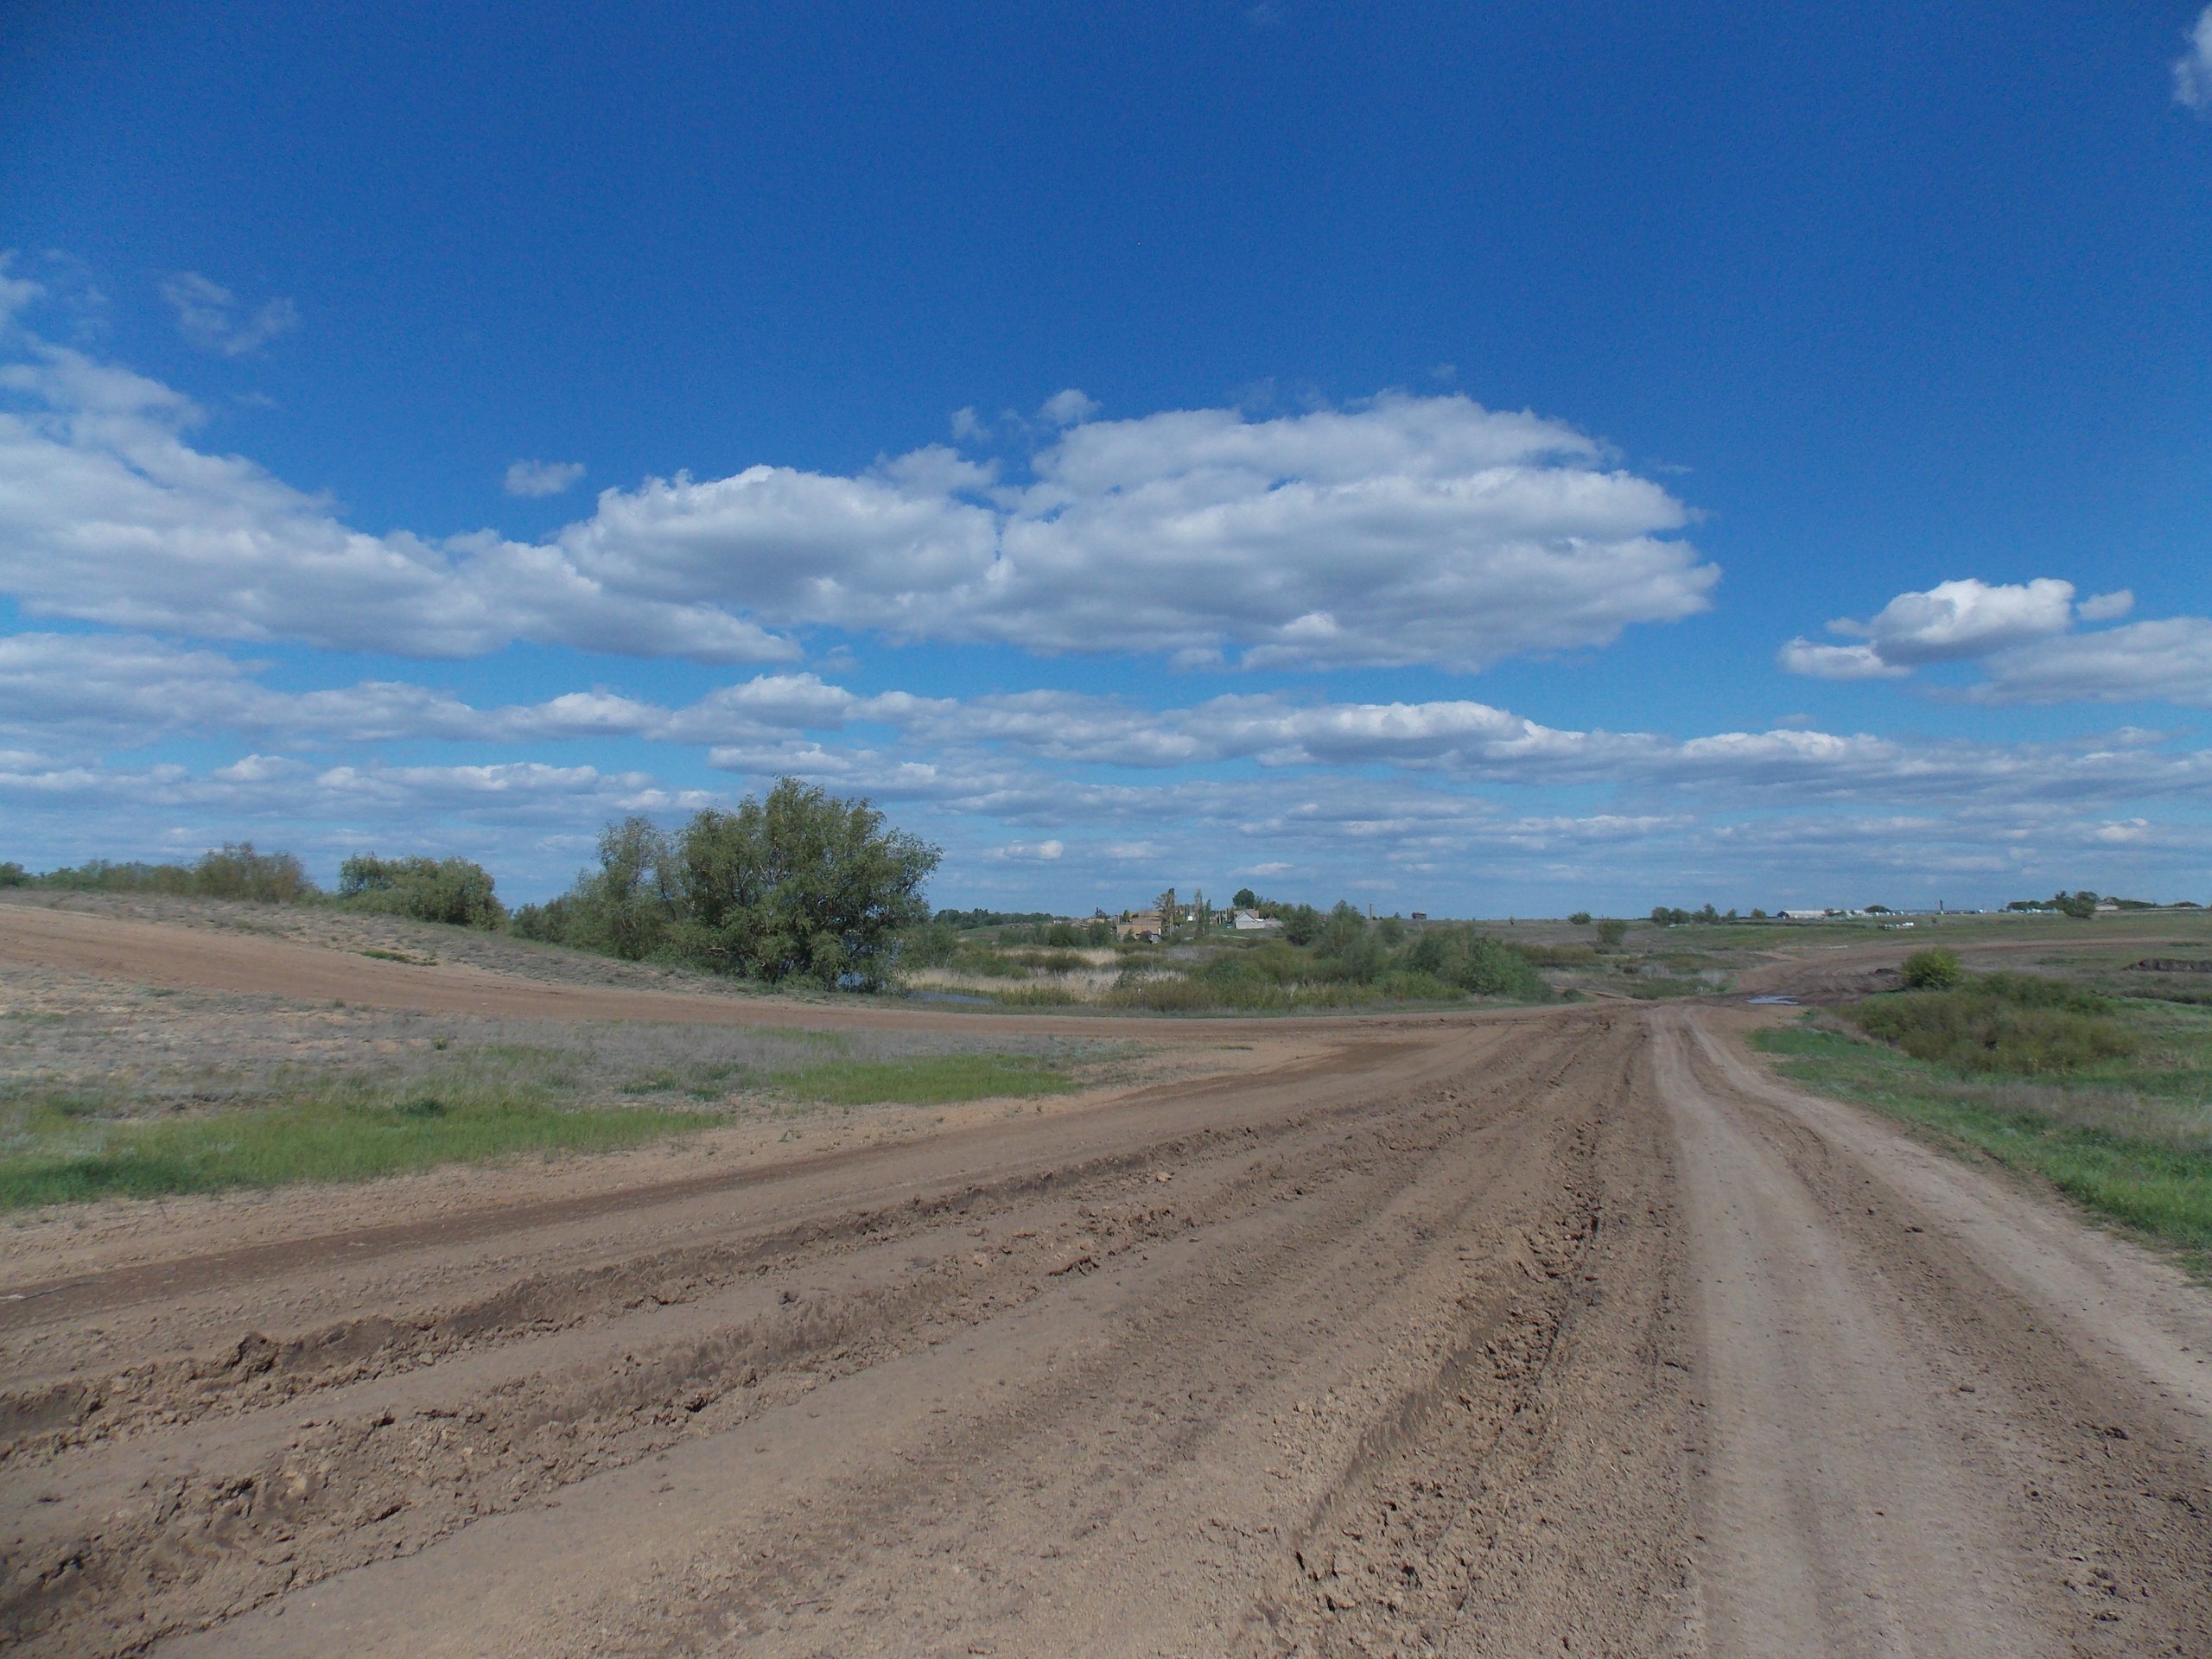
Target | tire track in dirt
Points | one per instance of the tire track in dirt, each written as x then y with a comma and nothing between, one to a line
328,1482
1900,1451
1128,1395
1572,1333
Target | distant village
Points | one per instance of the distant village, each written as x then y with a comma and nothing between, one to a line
1251,917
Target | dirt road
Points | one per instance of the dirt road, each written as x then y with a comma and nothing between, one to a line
1569,1334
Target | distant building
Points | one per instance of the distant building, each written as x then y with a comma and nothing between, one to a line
1142,925
1418,916
1250,921
1806,915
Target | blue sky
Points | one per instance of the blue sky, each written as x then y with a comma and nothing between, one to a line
1419,454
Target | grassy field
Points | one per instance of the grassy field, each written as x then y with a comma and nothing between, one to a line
145,1096
2125,1128
56,1154
933,1080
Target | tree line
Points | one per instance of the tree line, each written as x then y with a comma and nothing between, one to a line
796,886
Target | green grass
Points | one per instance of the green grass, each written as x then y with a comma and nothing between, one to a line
2141,1158
925,1080
2022,1024
57,1152
246,1104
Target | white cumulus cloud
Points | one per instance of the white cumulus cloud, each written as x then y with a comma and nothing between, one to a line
108,514
1401,530
1957,619
2023,637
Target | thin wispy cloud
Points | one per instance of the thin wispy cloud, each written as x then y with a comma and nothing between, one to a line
211,317
2192,71
539,478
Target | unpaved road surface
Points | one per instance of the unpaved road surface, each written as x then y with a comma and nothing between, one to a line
1568,1333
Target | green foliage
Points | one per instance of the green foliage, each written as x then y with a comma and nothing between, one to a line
2012,1023
1350,963
930,944
1245,899
1611,932
626,908
454,891
239,872
550,923
981,917
233,871
1580,918
1301,924
2081,904
1933,969
1475,962
1663,916
797,886
13,874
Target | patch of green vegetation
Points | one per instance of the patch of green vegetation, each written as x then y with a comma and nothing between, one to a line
235,872
2015,1023
1654,987
1350,964
56,1150
925,1079
710,1081
2140,1157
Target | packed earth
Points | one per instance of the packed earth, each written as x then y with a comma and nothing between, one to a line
1569,1329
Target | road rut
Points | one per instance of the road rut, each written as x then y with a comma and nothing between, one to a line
1577,1332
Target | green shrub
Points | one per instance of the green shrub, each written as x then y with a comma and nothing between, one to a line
1611,932
1053,962
551,923
2012,1023
13,874
233,871
931,944
1933,969
454,891
1475,962
239,872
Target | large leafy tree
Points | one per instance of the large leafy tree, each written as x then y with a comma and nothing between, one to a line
797,885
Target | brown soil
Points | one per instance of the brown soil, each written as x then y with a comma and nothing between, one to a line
1571,1332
